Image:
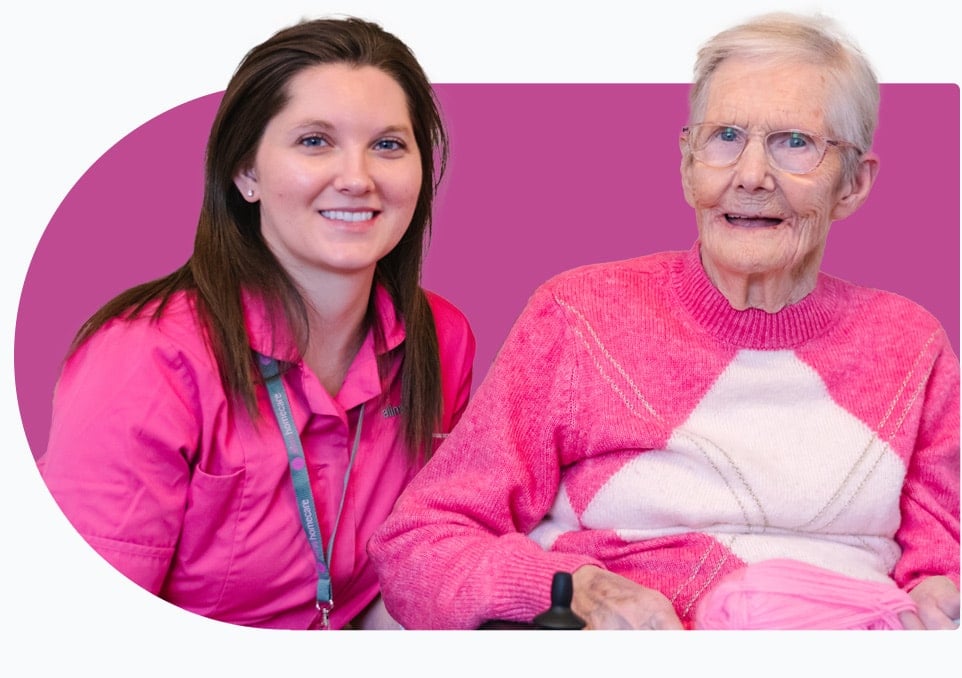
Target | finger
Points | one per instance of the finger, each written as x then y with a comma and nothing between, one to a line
933,618
666,621
911,621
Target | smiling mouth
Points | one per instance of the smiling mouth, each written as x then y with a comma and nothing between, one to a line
752,221
342,215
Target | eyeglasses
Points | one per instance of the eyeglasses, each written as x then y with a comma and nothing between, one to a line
790,150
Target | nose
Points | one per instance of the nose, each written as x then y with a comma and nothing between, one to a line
752,169
353,173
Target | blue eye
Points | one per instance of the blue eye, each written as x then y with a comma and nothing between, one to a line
728,134
313,141
389,145
798,140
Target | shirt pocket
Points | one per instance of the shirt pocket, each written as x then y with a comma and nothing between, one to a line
210,521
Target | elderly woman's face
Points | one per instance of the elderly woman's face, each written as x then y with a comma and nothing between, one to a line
756,222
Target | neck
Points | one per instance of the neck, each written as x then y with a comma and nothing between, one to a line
761,292
752,328
336,307
767,291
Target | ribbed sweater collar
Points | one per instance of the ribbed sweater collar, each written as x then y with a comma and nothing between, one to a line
752,328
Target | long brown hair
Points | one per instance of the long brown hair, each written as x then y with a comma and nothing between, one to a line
230,255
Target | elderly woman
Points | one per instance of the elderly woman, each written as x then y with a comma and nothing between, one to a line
696,435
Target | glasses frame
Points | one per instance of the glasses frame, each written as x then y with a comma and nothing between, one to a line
827,143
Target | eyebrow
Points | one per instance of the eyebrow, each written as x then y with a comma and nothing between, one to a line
408,129
324,124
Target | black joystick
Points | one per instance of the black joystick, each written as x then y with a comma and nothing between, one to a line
560,616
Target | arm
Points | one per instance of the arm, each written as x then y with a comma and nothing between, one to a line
456,350
455,552
929,531
117,457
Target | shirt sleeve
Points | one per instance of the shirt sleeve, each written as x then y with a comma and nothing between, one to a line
454,553
929,530
123,429
456,348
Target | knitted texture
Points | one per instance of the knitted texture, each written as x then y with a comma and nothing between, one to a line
634,420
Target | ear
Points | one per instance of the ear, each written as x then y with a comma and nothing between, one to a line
856,191
246,182
686,170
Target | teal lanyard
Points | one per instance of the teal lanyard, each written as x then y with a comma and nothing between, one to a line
270,370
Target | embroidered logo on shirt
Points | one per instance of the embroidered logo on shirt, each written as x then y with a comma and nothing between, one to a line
391,411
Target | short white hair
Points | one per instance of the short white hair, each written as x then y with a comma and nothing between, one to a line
852,113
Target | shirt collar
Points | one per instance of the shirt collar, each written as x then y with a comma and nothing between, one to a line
269,334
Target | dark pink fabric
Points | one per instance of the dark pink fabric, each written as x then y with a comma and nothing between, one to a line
788,594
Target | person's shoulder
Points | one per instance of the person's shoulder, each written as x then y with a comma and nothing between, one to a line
599,277
882,301
176,327
444,310
884,309
150,352
448,317
451,326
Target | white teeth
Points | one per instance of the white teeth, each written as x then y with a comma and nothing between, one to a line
340,215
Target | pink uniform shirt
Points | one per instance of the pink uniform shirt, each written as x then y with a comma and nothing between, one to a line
181,491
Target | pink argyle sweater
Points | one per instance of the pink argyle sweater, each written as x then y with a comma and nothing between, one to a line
634,420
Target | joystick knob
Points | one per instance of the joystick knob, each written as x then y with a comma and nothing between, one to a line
560,616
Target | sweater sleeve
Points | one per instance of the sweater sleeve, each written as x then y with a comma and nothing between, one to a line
454,552
117,462
929,530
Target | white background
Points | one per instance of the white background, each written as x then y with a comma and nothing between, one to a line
78,77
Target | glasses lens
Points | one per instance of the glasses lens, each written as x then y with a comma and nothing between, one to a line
794,151
717,145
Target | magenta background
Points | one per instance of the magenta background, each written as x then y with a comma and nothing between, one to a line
542,178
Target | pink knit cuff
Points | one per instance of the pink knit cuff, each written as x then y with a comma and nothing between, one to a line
788,594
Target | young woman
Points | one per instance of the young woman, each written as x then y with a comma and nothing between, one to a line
230,435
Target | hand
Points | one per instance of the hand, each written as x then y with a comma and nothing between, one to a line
937,599
610,601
